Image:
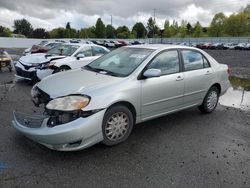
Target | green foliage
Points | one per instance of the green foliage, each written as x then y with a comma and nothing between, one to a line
23,27
110,31
123,32
40,33
100,29
87,32
167,32
217,25
238,24
198,30
139,30
153,29
5,32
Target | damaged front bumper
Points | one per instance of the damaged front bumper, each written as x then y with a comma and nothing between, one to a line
78,134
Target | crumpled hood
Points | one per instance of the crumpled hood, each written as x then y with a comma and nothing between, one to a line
78,81
38,58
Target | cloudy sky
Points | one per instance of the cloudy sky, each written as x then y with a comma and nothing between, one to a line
83,13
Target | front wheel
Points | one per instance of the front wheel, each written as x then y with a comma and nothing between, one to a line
117,125
210,101
64,68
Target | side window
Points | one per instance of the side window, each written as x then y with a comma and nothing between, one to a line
167,62
193,60
86,51
98,51
206,63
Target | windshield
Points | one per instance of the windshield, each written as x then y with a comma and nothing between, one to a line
63,49
120,62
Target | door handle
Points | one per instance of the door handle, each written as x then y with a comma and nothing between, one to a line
208,72
179,78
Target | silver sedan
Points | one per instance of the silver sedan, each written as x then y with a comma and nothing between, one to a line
102,101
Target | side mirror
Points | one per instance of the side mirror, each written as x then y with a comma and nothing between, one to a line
150,73
79,56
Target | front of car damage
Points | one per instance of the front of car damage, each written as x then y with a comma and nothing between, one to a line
72,120
27,66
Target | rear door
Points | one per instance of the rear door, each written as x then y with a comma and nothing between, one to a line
198,76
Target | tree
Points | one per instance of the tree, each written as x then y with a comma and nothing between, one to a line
189,29
23,27
217,25
183,29
57,33
152,28
100,29
166,32
68,25
198,30
5,32
40,33
237,24
123,32
110,30
87,32
139,30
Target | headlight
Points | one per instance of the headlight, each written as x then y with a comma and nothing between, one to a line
35,64
68,103
52,64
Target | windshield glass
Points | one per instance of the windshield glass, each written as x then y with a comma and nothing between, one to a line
120,62
63,49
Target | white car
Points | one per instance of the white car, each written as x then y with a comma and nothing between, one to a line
86,54
109,44
28,66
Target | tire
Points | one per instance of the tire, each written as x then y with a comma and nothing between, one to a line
121,129
64,68
210,101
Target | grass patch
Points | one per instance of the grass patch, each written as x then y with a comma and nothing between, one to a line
240,82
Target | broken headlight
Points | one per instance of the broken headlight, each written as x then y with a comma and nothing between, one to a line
68,103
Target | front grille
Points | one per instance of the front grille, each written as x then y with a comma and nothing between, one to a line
30,121
25,74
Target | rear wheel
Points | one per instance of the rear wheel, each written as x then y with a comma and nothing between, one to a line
117,125
210,101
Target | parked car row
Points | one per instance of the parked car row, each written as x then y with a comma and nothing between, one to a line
217,46
116,43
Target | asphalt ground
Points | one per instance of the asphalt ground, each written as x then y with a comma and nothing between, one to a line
185,149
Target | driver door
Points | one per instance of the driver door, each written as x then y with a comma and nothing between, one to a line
88,57
163,94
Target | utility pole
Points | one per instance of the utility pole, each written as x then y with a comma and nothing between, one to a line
154,25
111,22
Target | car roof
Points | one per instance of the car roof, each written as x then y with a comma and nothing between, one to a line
160,46
79,44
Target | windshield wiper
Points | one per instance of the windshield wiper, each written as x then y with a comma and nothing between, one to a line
102,70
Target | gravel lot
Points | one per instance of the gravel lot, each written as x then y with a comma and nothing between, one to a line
185,149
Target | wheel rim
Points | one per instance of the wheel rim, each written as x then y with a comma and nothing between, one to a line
212,100
117,126
63,69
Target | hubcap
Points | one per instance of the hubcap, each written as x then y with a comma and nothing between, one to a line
117,126
212,100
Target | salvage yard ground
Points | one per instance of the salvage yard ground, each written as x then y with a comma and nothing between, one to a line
185,149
